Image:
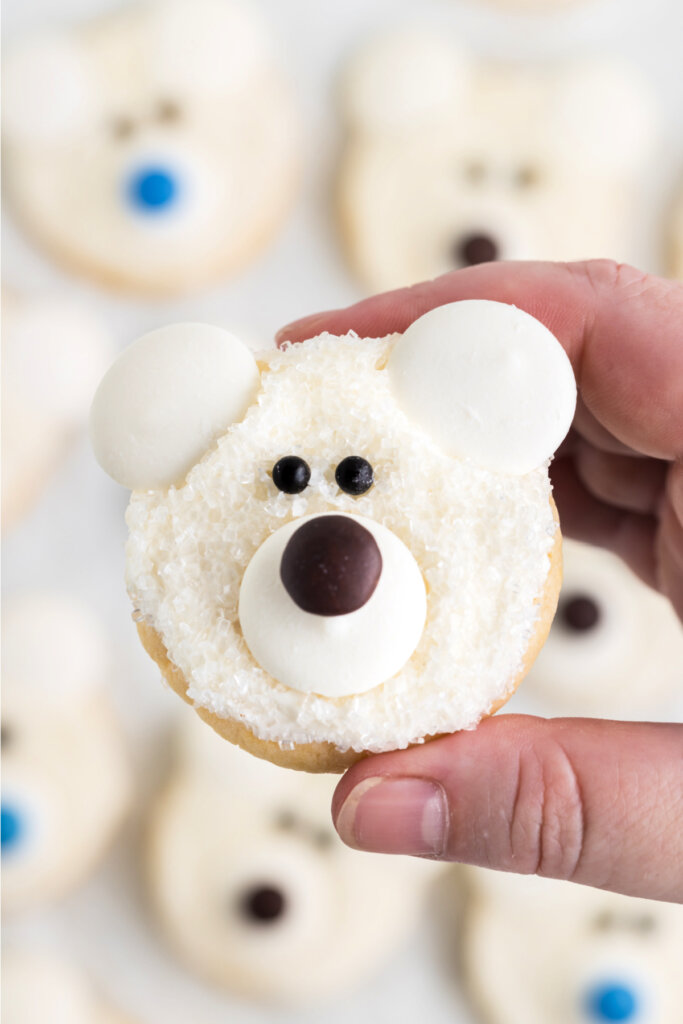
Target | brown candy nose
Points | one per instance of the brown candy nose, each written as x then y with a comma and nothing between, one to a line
331,565
475,248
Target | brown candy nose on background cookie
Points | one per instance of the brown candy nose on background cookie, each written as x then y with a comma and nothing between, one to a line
331,565
475,247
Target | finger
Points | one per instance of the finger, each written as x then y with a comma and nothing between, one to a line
636,485
595,802
587,427
670,554
628,534
620,327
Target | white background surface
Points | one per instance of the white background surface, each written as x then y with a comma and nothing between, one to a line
73,540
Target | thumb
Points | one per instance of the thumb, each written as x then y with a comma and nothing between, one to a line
580,799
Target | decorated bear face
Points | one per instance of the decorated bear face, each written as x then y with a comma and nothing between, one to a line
152,149
255,890
452,161
587,957
65,775
53,354
615,647
349,542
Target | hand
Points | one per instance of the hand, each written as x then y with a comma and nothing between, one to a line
591,801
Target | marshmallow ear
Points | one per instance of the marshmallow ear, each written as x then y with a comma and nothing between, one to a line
488,383
206,48
47,93
603,112
402,80
166,399
52,647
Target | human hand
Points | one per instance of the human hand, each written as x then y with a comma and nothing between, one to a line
595,802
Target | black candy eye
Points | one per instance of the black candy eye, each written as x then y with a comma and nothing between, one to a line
291,474
5,737
579,613
354,475
167,111
263,904
122,127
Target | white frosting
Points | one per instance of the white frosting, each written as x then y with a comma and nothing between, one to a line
481,541
46,94
166,399
488,382
193,86
52,647
628,664
344,911
406,76
535,158
576,940
334,656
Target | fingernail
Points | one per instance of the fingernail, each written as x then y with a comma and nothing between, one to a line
389,815
307,324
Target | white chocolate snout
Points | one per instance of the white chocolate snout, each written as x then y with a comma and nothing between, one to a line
369,599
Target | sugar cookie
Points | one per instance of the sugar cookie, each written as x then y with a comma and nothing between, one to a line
615,648
451,160
65,773
367,554
587,956
153,149
53,354
278,909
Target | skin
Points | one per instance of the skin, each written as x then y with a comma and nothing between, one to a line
595,802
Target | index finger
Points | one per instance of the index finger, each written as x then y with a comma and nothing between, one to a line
621,328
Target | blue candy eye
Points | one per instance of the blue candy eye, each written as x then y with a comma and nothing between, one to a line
152,189
12,827
612,1001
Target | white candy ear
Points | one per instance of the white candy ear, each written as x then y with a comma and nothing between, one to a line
205,48
47,93
52,646
166,399
604,117
488,383
403,79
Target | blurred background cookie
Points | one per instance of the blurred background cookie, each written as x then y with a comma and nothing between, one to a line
153,149
54,352
65,773
615,647
253,888
452,160
538,951
40,988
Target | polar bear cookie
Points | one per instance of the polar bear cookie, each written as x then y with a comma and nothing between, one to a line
53,355
152,149
588,957
40,987
615,647
65,772
277,909
451,160
349,545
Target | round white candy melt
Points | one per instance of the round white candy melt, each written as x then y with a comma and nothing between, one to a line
339,655
488,382
166,399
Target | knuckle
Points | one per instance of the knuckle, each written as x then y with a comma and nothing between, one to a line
547,820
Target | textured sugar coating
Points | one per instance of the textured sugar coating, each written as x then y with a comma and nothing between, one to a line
481,539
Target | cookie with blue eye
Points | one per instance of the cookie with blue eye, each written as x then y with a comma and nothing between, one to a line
254,891
587,956
451,160
154,149
347,545
39,986
65,772
615,648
